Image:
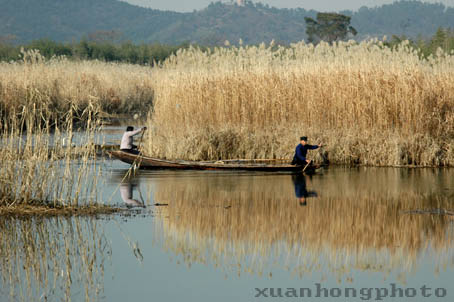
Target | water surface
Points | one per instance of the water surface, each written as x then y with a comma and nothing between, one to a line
226,236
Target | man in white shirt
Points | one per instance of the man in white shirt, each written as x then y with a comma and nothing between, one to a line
127,144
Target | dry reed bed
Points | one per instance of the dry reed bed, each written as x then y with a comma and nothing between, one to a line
47,168
367,103
58,84
41,166
247,228
43,259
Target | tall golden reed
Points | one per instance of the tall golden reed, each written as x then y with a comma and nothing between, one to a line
46,162
369,104
49,116
58,84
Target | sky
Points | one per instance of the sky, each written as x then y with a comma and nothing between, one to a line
318,5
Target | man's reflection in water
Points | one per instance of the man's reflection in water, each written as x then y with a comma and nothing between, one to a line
126,192
301,192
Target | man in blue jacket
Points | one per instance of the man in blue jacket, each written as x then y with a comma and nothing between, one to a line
301,152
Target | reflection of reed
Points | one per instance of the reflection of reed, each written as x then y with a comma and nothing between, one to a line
43,259
261,221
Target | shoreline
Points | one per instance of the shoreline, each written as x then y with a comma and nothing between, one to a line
27,211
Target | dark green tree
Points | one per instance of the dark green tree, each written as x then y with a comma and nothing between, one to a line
440,40
329,27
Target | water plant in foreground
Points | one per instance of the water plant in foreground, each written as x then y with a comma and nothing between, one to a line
47,167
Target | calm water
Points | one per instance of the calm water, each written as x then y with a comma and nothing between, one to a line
231,236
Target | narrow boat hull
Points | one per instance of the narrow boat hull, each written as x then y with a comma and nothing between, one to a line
146,162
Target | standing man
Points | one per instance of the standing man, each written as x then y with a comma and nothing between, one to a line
301,152
127,144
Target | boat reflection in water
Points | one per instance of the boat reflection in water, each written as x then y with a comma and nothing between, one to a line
252,224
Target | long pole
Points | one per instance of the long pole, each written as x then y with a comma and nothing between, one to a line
306,166
140,141
134,165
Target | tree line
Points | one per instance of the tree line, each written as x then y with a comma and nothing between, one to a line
443,39
108,51
333,27
148,54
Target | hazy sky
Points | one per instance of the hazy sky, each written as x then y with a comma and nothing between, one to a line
319,5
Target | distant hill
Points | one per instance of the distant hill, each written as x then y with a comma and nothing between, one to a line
71,20
409,18
66,20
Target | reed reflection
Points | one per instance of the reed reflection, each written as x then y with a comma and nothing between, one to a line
52,259
252,224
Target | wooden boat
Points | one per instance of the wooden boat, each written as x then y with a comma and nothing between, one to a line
146,162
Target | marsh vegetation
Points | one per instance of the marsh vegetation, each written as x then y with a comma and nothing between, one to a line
58,85
48,154
367,103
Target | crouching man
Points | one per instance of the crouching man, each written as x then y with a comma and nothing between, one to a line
127,141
